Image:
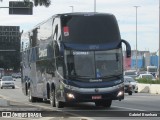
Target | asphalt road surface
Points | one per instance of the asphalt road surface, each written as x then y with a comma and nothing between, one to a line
132,107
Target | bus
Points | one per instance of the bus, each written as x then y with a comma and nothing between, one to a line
74,57
152,70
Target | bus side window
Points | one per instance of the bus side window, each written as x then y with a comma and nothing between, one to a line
50,68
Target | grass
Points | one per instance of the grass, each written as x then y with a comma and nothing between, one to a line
148,81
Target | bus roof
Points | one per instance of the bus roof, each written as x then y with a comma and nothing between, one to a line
84,14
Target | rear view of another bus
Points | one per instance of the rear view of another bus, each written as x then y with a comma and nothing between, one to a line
152,70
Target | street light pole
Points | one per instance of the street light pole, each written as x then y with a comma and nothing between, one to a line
94,5
72,8
136,37
159,39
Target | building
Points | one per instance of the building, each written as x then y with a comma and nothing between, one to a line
144,59
10,47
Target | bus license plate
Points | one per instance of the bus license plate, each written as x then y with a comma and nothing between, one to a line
96,97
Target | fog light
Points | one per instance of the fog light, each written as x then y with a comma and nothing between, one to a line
120,93
70,95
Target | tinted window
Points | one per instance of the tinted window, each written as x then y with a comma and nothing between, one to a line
89,29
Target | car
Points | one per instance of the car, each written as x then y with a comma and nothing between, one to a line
132,82
146,76
7,81
131,73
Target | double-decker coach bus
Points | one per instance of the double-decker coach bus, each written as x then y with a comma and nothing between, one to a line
74,57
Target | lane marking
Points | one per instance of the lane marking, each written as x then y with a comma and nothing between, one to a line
129,108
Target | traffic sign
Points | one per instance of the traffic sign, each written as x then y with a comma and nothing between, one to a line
20,8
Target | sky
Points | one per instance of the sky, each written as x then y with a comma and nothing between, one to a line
124,10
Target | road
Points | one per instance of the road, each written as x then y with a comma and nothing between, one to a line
138,102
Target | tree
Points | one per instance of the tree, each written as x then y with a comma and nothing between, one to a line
45,3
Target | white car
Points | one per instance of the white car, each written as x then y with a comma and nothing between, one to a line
132,82
146,76
7,81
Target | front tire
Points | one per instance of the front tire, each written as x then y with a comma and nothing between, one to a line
130,93
52,98
31,98
59,104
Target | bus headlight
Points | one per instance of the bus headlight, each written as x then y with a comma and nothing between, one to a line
70,95
120,93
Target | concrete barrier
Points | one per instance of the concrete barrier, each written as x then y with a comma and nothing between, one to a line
149,88
155,88
4,102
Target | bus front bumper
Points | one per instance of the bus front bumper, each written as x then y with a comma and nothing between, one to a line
94,94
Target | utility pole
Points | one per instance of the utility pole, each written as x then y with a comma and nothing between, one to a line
94,5
136,38
72,8
159,40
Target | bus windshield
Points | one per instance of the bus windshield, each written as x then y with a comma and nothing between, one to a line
90,29
93,64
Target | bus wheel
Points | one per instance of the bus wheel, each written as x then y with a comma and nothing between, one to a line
31,98
52,98
130,93
59,104
107,103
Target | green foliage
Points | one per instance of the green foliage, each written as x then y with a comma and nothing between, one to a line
45,3
148,81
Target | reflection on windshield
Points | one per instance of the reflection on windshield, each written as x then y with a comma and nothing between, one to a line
7,79
93,64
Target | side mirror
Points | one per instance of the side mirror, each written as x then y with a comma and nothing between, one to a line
128,48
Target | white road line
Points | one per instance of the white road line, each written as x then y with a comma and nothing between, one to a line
129,108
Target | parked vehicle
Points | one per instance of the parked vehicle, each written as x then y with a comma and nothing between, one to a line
7,81
146,76
130,80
